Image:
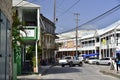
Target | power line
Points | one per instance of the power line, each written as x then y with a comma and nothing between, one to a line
69,8
61,3
28,2
96,18
19,2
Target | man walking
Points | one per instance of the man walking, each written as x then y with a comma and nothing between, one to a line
117,60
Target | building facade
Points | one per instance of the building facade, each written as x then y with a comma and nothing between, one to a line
5,41
47,39
105,42
29,14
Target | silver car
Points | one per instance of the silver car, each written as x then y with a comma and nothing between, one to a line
93,60
105,61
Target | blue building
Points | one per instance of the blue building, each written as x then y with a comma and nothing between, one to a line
5,41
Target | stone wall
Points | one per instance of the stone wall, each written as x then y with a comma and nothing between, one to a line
6,8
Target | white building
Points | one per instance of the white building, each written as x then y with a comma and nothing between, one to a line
103,41
28,13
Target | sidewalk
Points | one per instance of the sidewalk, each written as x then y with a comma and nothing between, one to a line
32,76
114,73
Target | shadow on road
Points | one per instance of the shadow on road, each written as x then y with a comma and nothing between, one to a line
43,79
28,79
56,79
61,70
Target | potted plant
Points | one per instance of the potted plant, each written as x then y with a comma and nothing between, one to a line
32,57
34,63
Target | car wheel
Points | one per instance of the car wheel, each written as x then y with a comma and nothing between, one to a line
109,63
71,64
63,65
80,64
97,63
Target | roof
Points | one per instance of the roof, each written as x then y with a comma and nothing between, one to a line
23,3
109,28
88,34
70,35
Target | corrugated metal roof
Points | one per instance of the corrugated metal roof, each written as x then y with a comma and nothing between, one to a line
109,28
87,34
72,34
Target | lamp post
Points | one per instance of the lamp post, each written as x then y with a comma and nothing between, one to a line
54,20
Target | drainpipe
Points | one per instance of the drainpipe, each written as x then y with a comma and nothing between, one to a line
36,53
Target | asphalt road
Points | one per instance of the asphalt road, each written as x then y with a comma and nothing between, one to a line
87,72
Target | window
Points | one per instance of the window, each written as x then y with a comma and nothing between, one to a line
107,58
102,59
97,39
68,58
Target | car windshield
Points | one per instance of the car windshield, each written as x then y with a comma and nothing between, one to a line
67,57
108,58
93,58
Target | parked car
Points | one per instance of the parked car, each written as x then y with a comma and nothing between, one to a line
85,60
105,61
93,60
71,61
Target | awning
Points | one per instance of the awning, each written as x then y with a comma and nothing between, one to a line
117,51
91,54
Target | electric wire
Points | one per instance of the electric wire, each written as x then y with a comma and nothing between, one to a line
61,3
19,3
69,8
28,3
96,18
102,15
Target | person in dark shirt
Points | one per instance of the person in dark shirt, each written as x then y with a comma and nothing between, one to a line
117,60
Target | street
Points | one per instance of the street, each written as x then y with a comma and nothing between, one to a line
87,72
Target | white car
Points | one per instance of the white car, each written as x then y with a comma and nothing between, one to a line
105,61
92,60
71,61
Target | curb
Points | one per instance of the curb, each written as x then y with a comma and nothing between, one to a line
110,73
45,71
31,76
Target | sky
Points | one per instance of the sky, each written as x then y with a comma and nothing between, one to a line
88,10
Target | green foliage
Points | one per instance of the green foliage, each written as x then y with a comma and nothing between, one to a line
16,27
30,55
34,61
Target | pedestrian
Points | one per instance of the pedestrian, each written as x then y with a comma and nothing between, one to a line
117,60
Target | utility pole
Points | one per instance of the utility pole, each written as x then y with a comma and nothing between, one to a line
54,19
76,14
